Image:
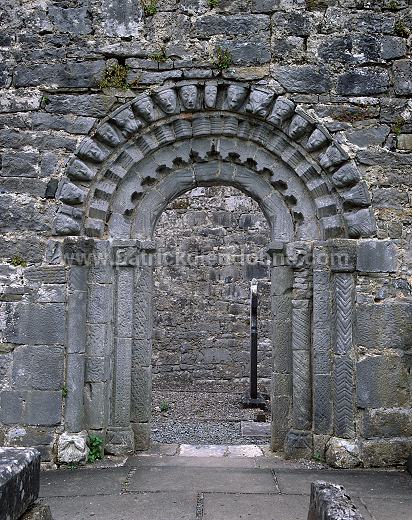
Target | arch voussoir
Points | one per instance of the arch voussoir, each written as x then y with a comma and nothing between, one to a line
194,110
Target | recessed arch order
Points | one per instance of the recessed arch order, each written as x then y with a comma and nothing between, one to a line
167,141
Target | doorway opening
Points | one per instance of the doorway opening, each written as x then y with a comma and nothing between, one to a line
211,244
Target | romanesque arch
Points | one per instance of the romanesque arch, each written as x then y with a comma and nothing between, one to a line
190,134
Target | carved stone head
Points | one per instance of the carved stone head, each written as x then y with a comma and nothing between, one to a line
259,102
126,121
92,151
210,96
108,134
282,110
144,107
236,94
188,95
167,100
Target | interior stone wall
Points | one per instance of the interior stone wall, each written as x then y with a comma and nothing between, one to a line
217,237
345,62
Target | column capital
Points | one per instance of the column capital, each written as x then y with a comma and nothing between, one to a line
128,253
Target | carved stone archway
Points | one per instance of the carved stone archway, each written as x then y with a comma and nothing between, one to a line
165,143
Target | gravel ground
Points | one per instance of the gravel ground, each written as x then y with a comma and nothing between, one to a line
201,418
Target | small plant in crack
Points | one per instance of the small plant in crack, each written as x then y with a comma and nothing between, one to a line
159,56
213,3
401,29
398,125
164,406
223,59
95,448
150,7
115,77
18,261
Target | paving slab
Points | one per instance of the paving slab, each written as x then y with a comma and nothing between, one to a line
247,450
254,507
202,450
198,462
130,506
78,482
205,479
357,483
389,508
255,429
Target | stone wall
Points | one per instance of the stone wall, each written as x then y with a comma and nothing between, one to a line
201,330
347,63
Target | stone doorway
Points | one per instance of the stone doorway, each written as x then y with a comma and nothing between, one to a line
198,134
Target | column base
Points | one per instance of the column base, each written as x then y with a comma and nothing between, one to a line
299,444
119,441
141,432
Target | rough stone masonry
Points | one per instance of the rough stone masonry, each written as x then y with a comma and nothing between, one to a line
111,110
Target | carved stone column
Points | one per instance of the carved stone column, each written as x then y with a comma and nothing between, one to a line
343,263
141,383
322,342
120,438
75,253
281,308
299,438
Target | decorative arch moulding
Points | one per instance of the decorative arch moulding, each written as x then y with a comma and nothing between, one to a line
214,120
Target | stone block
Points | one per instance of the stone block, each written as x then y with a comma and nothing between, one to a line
95,405
402,73
76,322
100,303
38,367
404,142
97,343
38,511
306,79
67,75
37,324
331,502
363,82
20,164
393,47
141,394
70,20
342,453
120,441
377,256
141,436
90,105
40,438
387,422
384,325
381,381
96,369
75,383
248,25
121,19
385,452
19,480
42,408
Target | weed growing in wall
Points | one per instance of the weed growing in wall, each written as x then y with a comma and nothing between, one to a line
150,7
213,3
401,29
159,56
115,77
223,59
18,261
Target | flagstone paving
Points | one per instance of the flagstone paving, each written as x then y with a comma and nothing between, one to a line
215,483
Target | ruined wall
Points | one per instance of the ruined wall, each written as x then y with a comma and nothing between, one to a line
346,62
201,319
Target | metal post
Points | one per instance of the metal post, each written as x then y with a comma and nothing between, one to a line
253,338
253,399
